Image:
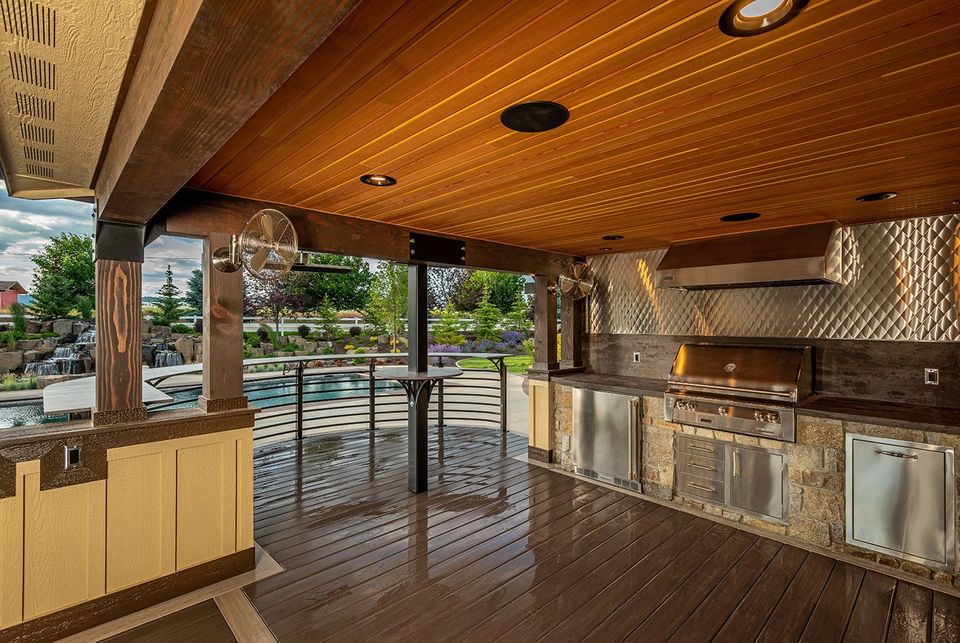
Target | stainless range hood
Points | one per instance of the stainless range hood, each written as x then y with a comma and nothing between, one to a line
786,257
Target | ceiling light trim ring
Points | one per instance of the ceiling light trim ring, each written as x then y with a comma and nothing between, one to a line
734,23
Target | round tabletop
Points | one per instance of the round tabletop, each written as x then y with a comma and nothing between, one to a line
401,373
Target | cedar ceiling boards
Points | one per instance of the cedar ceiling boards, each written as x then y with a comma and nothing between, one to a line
61,68
672,123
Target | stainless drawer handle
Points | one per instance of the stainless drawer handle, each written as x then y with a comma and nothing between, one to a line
697,447
700,466
701,487
906,456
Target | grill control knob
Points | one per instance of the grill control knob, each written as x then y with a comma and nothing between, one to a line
758,416
722,410
773,417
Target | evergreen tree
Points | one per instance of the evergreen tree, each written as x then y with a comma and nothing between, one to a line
194,295
169,304
519,316
447,329
64,273
487,319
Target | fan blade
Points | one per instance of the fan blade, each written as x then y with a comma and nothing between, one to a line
266,227
258,260
286,253
566,285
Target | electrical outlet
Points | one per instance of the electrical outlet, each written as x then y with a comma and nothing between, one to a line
72,456
931,376
636,357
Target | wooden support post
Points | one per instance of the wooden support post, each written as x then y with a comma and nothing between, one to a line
119,381
222,332
572,322
545,324
417,436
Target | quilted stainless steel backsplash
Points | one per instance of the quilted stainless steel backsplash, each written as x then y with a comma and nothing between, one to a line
901,281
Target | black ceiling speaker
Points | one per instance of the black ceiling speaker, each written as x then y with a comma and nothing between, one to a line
534,116
876,196
740,216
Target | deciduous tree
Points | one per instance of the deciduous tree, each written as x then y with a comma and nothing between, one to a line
64,273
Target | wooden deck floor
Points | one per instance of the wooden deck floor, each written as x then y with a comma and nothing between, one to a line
499,549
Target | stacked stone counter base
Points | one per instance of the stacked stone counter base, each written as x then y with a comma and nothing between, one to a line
816,469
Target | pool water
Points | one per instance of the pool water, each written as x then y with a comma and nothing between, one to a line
25,413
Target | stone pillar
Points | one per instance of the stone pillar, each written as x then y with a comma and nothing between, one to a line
222,332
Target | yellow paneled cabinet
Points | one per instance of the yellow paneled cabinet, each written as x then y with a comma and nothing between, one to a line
541,416
165,506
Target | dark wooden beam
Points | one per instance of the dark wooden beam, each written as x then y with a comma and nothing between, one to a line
118,379
417,415
573,314
204,68
195,213
545,324
222,332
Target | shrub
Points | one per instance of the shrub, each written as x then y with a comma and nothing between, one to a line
355,331
264,334
447,329
487,319
84,306
19,312
512,337
303,330
359,360
327,351
198,325
182,329
502,347
442,348
528,346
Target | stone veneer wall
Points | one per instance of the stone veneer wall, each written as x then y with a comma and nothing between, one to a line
816,468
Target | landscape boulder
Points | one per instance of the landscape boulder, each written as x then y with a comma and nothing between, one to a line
10,361
162,331
26,344
34,327
188,348
146,326
78,327
62,327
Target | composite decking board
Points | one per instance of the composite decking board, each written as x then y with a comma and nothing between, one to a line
829,619
793,610
200,622
532,591
871,612
495,536
751,614
723,600
449,587
501,549
640,605
635,572
671,614
595,541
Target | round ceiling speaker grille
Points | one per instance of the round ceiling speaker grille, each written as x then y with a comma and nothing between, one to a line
534,116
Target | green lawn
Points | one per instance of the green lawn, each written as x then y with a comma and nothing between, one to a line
515,363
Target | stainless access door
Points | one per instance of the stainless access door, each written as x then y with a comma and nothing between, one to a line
901,499
757,481
605,437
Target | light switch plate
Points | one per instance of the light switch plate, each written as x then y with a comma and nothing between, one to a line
636,357
931,376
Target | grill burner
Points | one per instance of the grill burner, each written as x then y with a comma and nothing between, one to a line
743,389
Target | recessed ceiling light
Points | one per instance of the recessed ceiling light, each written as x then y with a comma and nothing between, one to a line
752,17
876,196
605,249
534,116
956,201
612,237
379,180
740,216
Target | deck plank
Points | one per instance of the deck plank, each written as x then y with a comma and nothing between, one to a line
829,619
946,619
871,612
791,614
910,620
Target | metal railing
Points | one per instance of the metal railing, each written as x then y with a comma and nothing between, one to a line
310,394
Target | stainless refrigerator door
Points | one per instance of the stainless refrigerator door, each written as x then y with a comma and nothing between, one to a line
605,433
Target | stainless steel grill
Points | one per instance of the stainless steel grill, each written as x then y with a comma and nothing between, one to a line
743,389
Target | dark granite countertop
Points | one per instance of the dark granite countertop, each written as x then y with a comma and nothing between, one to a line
908,416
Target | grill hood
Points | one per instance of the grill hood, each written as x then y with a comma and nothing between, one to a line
786,257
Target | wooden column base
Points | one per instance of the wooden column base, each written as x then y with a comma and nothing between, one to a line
119,416
222,404
540,455
126,601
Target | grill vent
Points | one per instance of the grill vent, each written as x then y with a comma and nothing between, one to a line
30,20
37,134
31,70
40,170
35,106
37,154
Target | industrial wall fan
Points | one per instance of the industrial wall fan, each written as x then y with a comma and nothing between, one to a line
577,282
267,248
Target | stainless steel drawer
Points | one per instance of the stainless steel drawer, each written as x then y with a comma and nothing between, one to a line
901,499
700,446
698,465
688,485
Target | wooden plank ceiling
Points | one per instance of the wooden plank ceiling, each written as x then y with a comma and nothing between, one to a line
672,123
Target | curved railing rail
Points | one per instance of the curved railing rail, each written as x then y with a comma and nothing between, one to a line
306,394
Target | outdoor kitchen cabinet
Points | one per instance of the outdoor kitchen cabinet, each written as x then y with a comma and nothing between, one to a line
748,479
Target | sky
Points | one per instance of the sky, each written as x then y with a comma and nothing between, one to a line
26,225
